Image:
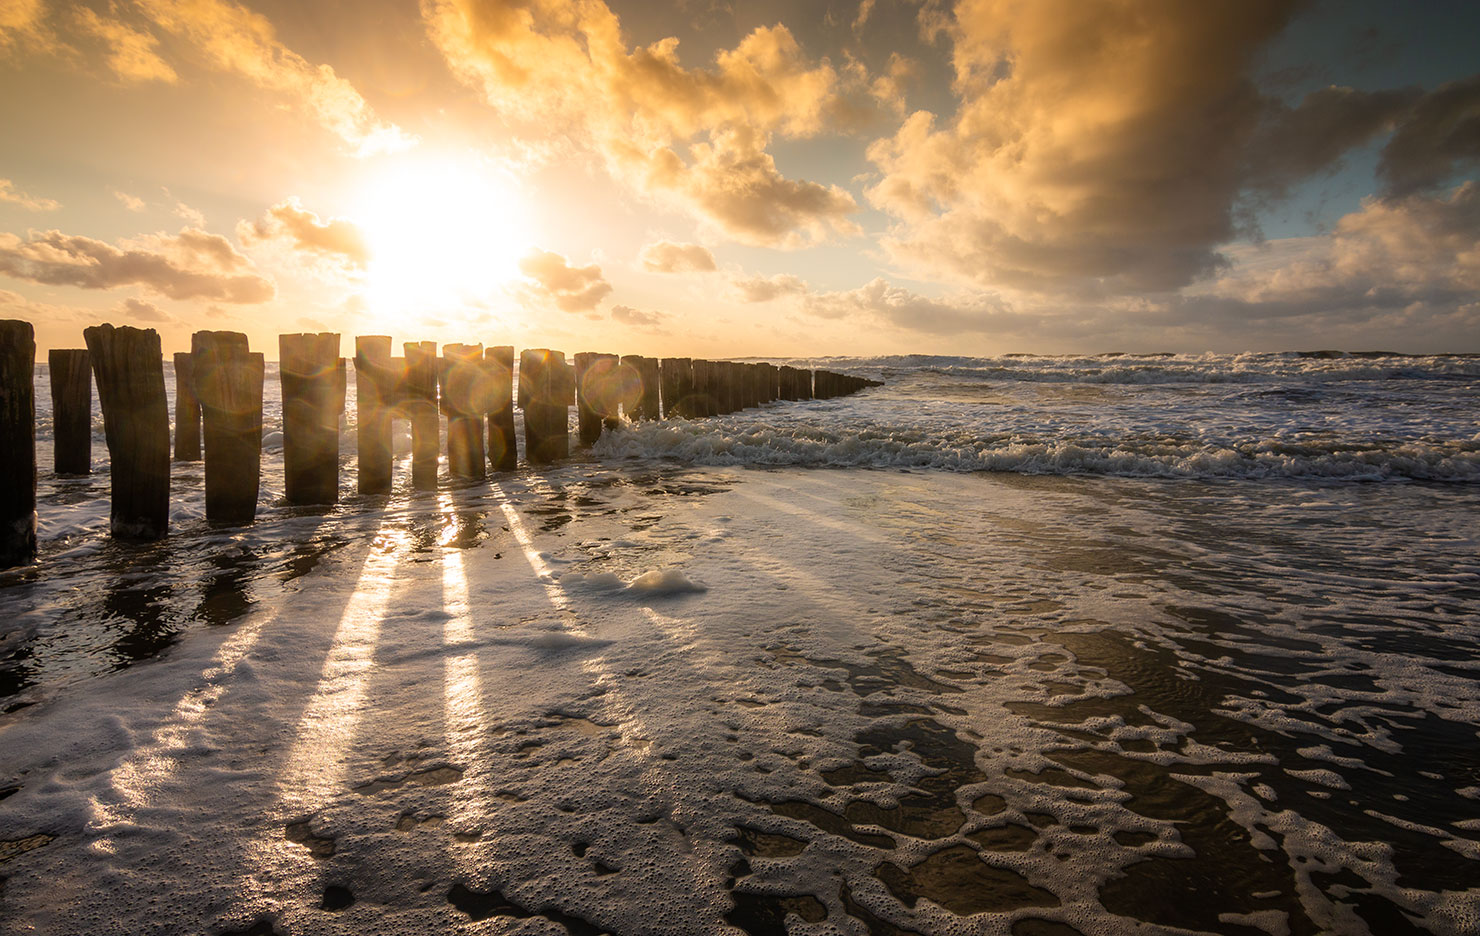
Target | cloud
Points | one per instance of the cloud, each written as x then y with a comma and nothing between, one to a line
130,51
1295,142
9,196
696,138
1072,162
14,305
240,42
190,215
630,316
1440,135
1392,254
734,182
22,22
335,238
571,289
130,202
142,311
765,289
190,265
900,308
668,257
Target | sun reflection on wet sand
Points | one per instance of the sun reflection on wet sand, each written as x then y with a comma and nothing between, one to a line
313,771
136,779
465,719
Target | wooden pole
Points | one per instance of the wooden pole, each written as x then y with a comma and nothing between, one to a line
696,404
729,375
706,388
669,370
187,410
129,367
71,410
310,368
588,417
465,398
374,389
598,392
421,407
503,450
228,384
546,388
17,443
648,376
563,397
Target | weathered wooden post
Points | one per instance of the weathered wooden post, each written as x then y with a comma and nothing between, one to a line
129,367
695,401
648,380
563,397
597,393
503,450
544,396
228,384
309,366
187,410
17,443
421,407
804,384
71,410
374,390
668,372
465,398
729,376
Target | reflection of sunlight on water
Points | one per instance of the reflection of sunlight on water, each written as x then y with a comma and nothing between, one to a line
531,555
153,763
312,773
466,722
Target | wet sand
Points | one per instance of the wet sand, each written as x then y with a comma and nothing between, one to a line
860,702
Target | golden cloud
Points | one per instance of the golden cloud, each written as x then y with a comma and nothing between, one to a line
8,195
335,238
668,257
131,52
694,136
190,265
568,288
241,42
1096,147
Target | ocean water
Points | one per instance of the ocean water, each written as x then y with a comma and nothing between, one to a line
1030,645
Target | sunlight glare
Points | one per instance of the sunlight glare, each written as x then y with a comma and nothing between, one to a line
442,234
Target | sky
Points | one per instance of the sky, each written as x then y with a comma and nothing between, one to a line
695,177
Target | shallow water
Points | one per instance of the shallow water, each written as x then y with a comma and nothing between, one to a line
860,701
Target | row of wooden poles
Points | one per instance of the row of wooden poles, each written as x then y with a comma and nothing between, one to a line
218,389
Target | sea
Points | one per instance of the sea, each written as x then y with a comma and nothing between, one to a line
1033,645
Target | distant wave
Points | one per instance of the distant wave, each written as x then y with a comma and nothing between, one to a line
1123,368
752,443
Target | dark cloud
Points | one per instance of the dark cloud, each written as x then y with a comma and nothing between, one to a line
571,289
190,265
1094,150
1440,136
1296,142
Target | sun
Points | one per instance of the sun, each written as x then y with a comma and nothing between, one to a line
443,234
